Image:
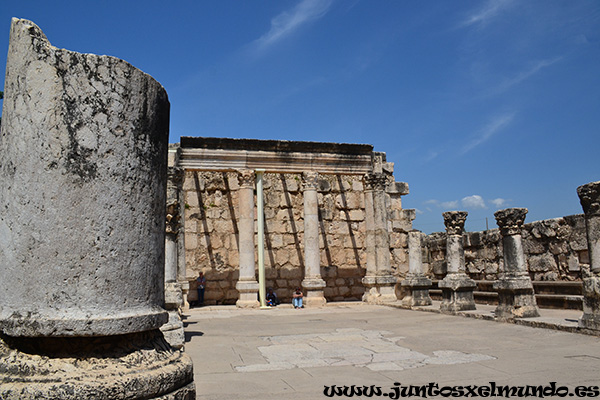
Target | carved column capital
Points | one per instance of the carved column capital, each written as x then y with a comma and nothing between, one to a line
175,175
172,221
310,180
510,220
455,222
589,197
246,178
375,181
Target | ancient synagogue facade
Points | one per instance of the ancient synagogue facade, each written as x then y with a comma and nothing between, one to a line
333,219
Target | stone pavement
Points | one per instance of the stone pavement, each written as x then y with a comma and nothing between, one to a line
282,353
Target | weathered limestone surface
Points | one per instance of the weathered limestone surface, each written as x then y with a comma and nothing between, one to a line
79,220
416,282
515,291
457,287
589,196
82,228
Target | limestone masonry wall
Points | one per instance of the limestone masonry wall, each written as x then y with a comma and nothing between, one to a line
211,233
555,250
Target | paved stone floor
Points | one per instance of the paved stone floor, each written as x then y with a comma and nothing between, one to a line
282,353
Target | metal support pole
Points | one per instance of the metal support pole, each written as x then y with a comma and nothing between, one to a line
262,292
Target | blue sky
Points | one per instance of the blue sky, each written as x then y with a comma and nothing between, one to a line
481,105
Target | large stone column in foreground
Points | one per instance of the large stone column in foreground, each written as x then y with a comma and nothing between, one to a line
589,196
516,298
457,287
247,285
82,228
312,283
416,283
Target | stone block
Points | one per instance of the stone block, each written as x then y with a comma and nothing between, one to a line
542,263
400,188
290,272
357,186
191,241
573,263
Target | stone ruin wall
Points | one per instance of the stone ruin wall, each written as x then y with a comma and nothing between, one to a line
555,250
211,233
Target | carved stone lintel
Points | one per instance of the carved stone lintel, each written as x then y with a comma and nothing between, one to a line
589,197
310,180
455,222
375,181
510,220
246,178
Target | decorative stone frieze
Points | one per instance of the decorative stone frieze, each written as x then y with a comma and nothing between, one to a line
516,298
76,314
457,287
589,196
416,283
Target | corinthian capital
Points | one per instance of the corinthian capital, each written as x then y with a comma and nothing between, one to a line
510,220
311,180
589,197
246,178
455,222
375,181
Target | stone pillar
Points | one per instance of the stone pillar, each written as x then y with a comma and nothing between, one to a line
247,285
173,329
416,282
370,278
381,287
457,287
516,298
313,284
589,196
82,228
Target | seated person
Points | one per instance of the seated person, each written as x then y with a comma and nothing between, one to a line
272,299
297,298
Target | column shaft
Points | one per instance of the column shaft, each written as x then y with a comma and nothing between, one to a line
416,283
247,285
516,298
312,283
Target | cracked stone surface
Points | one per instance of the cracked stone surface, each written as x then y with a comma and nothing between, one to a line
350,346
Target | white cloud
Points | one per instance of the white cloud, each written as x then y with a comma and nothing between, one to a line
288,22
474,201
419,211
488,131
523,75
490,10
432,201
498,202
449,204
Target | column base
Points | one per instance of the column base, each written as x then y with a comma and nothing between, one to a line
516,298
418,291
380,289
248,294
173,331
314,292
591,303
98,368
457,293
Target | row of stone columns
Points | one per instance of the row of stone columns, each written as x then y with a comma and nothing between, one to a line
515,291
516,297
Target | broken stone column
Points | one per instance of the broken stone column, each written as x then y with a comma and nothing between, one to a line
247,285
381,287
589,196
457,287
416,283
516,298
82,224
173,329
312,283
